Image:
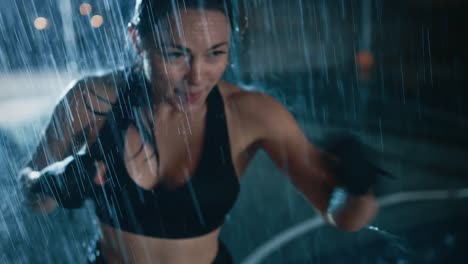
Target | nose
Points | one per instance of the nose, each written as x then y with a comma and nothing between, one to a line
194,73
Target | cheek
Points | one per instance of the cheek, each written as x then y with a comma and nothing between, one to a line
171,72
217,69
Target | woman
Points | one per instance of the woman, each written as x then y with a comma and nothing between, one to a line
172,140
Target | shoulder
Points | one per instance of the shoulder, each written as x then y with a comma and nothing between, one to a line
251,103
258,110
252,100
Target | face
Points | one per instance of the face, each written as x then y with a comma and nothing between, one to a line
189,57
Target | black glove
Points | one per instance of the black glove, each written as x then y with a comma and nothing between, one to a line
69,181
351,164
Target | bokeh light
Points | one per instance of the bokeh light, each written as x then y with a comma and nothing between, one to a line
85,9
97,21
365,59
41,23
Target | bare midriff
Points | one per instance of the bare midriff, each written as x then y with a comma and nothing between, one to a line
123,247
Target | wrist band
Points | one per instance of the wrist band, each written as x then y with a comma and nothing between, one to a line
337,200
69,182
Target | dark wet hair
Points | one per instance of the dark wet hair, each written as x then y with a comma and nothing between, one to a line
148,12
146,17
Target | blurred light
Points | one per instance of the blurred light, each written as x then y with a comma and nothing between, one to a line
365,62
365,59
34,175
96,21
41,23
85,9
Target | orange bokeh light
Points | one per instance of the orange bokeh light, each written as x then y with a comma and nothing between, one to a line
97,21
365,59
85,9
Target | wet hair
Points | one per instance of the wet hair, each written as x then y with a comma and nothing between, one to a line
146,17
149,12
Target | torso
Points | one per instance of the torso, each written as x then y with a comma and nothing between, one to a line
180,142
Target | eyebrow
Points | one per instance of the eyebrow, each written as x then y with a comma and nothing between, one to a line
181,47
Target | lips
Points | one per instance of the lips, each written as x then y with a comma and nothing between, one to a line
192,97
189,97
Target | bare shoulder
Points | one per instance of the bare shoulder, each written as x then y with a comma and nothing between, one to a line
256,116
259,107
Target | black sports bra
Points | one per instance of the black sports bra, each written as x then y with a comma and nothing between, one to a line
193,209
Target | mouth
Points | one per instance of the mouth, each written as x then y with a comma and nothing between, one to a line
193,97
190,97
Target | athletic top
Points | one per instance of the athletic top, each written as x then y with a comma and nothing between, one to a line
193,209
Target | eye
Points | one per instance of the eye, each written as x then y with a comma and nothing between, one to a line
216,53
175,54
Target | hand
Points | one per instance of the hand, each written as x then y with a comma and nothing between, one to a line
69,182
27,178
351,164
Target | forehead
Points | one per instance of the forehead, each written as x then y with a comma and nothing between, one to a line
196,28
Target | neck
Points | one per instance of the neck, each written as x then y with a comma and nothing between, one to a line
174,105
168,111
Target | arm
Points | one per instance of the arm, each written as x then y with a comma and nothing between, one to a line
282,138
74,124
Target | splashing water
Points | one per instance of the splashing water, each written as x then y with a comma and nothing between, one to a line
401,243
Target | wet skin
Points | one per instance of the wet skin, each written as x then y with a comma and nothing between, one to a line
183,71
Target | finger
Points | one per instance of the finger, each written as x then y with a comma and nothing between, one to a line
100,178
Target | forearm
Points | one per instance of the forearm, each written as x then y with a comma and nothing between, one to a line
350,213
350,164
353,213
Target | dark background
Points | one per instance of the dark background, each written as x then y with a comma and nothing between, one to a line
392,72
